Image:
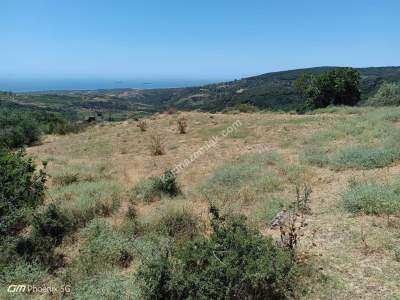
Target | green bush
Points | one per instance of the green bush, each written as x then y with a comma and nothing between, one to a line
51,223
153,188
18,129
21,190
388,94
48,231
103,248
234,262
373,199
176,223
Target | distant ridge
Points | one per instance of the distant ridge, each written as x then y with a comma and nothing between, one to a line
272,91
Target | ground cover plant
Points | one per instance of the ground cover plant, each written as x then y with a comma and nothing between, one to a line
110,224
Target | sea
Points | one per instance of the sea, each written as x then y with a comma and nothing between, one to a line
44,85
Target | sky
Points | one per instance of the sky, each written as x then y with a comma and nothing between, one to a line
192,39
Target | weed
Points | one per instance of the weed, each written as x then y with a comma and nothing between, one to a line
182,125
142,124
157,144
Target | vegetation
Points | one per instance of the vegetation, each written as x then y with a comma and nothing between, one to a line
226,227
335,87
18,129
270,91
388,94
372,142
157,144
153,188
372,198
234,261
182,125
23,128
142,124
21,191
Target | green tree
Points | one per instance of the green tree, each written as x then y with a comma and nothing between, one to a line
340,86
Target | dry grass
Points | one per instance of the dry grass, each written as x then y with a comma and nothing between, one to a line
157,144
182,125
356,253
142,124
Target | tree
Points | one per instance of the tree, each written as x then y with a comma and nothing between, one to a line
340,86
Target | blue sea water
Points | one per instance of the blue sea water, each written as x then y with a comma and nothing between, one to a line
37,85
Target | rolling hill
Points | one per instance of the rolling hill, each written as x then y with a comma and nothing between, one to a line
271,91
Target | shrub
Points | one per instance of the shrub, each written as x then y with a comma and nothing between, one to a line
48,231
167,183
18,129
142,124
387,94
182,125
103,248
176,223
157,144
234,262
152,189
82,201
21,190
374,199
51,223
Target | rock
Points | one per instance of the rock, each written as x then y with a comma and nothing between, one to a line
279,219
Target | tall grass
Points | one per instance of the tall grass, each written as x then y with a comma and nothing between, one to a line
83,201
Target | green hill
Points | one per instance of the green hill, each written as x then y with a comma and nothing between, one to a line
272,91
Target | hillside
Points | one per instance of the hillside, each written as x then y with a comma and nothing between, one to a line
271,91
351,246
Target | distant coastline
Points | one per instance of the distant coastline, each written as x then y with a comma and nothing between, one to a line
41,85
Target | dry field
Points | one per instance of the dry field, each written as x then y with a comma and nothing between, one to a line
252,170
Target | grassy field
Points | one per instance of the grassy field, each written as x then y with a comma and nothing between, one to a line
350,157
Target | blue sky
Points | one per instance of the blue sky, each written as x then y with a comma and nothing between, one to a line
192,39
